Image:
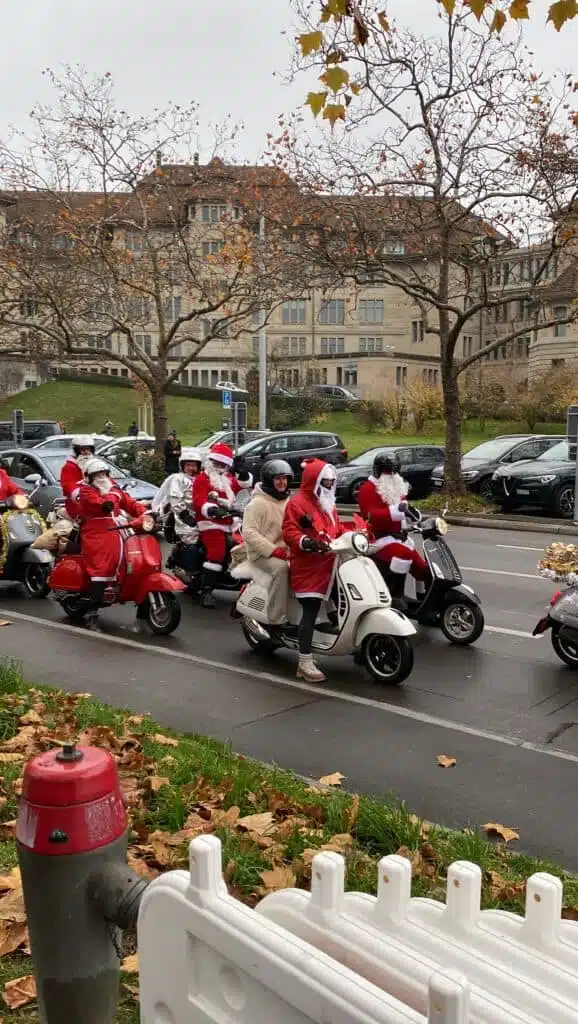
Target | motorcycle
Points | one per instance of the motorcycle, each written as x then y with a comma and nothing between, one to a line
190,570
20,562
141,580
365,624
448,603
562,619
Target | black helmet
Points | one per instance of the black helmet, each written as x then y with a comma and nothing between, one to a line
271,469
384,463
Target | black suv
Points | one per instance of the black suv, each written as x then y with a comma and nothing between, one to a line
33,432
294,446
481,462
417,464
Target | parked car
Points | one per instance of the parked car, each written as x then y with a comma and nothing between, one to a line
229,385
227,437
479,464
120,449
28,466
33,432
64,441
294,446
417,464
334,392
278,391
546,482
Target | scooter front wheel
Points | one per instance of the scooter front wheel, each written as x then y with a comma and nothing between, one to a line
35,581
462,623
389,659
162,612
257,643
565,649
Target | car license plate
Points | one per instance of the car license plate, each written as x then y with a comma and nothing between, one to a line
522,490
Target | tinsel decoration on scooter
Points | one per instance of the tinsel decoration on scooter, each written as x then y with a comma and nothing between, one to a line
560,563
5,533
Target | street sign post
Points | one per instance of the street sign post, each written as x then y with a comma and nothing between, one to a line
227,399
572,435
238,423
17,427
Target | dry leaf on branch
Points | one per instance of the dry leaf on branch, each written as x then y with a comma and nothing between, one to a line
164,741
19,992
130,964
492,828
280,877
445,761
259,823
332,780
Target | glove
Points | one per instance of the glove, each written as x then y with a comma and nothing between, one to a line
108,506
187,517
305,522
313,546
403,506
280,553
218,513
240,469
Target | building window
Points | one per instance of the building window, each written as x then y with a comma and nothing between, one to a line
400,376
184,378
394,247
137,307
417,331
332,311
234,376
370,311
194,378
293,346
113,372
332,346
506,273
371,344
204,378
212,248
134,241
430,377
173,307
560,329
212,213
294,311
557,363
28,306
124,372
350,378
523,309
144,342
467,345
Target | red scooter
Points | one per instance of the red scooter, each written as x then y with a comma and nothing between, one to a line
141,580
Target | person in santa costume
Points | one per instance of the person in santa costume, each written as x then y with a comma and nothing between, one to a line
72,472
101,506
214,493
309,524
7,487
382,501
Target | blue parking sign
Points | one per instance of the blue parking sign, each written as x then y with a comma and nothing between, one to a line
227,399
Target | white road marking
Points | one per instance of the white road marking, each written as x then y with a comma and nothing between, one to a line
322,692
502,572
518,547
508,632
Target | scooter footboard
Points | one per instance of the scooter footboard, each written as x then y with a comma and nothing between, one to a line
384,621
157,582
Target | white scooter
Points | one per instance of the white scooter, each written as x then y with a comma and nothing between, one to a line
366,625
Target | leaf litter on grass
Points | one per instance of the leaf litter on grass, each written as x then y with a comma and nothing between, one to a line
271,824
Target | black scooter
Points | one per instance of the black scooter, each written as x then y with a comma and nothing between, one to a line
448,604
185,561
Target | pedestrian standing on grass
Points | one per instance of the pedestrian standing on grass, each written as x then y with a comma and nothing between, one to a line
133,429
172,453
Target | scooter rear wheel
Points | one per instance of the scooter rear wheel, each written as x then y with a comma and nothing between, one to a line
565,649
74,607
35,581
163,612
462,623
389,659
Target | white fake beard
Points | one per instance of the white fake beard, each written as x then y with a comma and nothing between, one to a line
104,486
326,499
220,482
83,460
392,488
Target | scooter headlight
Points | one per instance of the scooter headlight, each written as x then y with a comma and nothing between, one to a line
20,501
360,543
148,524
441,526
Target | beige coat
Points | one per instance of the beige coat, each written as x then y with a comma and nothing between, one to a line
262,521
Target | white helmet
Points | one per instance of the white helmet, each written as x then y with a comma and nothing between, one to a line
190,455
94,466
82,441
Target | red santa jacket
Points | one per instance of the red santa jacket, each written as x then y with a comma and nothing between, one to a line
385,519
311,575
71,477
102,545
7,486
226,486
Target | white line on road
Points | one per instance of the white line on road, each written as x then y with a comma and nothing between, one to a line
518,547
321,692
502,572
508,632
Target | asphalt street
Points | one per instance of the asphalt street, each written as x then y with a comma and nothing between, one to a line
506,708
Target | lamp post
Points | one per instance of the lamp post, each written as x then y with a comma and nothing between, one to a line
262,347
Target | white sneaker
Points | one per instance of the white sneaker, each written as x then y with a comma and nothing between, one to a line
307,670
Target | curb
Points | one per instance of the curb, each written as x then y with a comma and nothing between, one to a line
521,525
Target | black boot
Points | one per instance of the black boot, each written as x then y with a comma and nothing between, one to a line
91,621
206,599
396,583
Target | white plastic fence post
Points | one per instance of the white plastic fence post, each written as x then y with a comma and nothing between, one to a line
448,998
463,896
393,888
544,896
327,885
206,878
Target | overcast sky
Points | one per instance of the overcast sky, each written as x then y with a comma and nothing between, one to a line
222,53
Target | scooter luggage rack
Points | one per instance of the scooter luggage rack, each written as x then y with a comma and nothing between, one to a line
521,970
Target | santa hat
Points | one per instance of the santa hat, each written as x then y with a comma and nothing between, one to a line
221,453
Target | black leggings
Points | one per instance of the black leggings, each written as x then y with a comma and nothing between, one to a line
309,611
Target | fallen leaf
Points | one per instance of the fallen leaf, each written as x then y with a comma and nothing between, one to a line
156,782
131,791
130,964
10,758
352,813
11,881
259,823
17,785
12,906
164,741
507,834
31,718
19,992
425,826
226,819
229,870
140,867
13,934
339,843
502,889
419,866
135,720
133,990
289,826
446,762
332,780
570,913
280,877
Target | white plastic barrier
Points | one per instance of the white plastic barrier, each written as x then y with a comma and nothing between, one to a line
519,969
205,956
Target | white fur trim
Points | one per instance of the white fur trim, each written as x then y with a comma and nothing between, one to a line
301,539
244,484
205,508
212,566
242,572
209,524
102,579
395,514
74,494
215,457
401,565
383,542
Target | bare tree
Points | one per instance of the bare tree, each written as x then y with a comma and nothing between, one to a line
452,155
115,250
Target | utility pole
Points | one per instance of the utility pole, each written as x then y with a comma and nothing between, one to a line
262,346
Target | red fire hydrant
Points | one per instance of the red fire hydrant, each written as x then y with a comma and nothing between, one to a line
78,890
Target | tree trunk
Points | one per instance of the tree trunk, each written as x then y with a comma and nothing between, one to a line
160,419
452,472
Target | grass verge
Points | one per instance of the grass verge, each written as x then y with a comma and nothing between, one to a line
270,821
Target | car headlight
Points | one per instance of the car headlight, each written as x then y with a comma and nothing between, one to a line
441,526
469,474
360,543
547,479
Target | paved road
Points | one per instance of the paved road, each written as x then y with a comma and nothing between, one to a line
505,708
